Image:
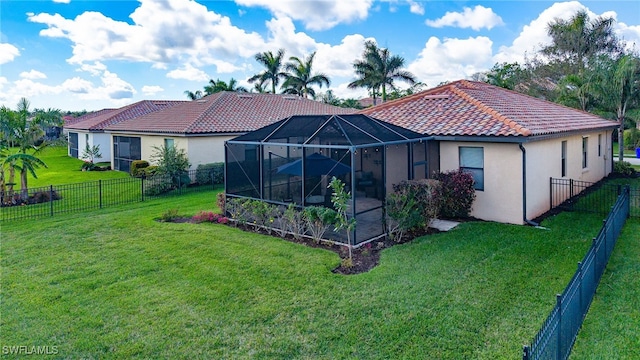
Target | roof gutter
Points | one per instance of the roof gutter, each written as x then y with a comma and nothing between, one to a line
524,187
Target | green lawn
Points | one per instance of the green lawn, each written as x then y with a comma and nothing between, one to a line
611,329
114,283
627,152
63,169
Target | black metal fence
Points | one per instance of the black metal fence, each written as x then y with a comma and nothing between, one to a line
68,198
559,331
575,195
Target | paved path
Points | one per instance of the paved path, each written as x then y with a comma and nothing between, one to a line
443,225
632,160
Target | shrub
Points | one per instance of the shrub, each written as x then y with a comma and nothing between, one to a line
412,206
169,215
318,219
291,221
631,138
623,168
458,193
221,200
212,173
88,166
206,216
148,171
136,165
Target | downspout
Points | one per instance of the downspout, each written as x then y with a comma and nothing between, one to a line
524,187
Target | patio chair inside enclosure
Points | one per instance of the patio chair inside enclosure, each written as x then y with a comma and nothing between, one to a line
294,159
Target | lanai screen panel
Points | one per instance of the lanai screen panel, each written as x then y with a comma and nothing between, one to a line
243,170
280,183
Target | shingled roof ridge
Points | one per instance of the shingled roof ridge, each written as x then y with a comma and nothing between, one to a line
486,109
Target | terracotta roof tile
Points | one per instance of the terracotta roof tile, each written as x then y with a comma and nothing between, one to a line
99,120
226,112
468,108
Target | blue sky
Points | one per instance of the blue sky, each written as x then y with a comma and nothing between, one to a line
76,54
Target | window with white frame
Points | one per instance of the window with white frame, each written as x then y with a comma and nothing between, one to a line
599,145
472,161
168,143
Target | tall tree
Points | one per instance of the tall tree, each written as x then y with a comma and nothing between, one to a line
273,69
300,77
617,86
378,69
219,85
576,41
505,75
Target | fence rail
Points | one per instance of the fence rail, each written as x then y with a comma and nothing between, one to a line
575,195
559,331
67,198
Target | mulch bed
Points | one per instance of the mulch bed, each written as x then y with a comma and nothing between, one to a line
363,259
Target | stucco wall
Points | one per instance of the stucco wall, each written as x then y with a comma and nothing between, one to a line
544,160
204,150
501,199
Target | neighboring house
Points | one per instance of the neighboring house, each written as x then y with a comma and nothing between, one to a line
89,128
511,143
201,127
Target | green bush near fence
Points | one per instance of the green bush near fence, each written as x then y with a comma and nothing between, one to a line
210,173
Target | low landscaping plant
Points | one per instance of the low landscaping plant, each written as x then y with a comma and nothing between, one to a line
623,168
318,219
137,166
169,215
212,173
458,193
412,206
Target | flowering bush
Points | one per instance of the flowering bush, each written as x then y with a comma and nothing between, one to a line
458,193
206,216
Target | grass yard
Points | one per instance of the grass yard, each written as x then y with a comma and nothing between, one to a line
611,329
63,169
114,283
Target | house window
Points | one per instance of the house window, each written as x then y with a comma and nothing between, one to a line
73,144
585,143
125,150
86,138
472,161
599,145
168,143
564,158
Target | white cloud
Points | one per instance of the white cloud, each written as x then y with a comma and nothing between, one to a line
316,15
188,72
77,85
8,52
477,18
33,75
62,1
416,7
172,32
337,60
151,89
451,59
630,34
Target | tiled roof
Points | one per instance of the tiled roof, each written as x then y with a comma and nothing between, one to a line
226,112
99,120
469,108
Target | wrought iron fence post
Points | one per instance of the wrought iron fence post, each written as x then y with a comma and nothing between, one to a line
580,289
550,193
526,352
559,305
142,188
51,199
100,192
595,264
570,188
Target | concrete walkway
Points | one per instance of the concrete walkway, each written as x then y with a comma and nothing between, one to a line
632,160
443,225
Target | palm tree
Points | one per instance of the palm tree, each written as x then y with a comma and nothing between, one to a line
26,134
220,85
579,39
379,69
193,95
617,86
300,77
273,69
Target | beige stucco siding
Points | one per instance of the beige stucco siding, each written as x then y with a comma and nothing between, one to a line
501,199
204,150
544,161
